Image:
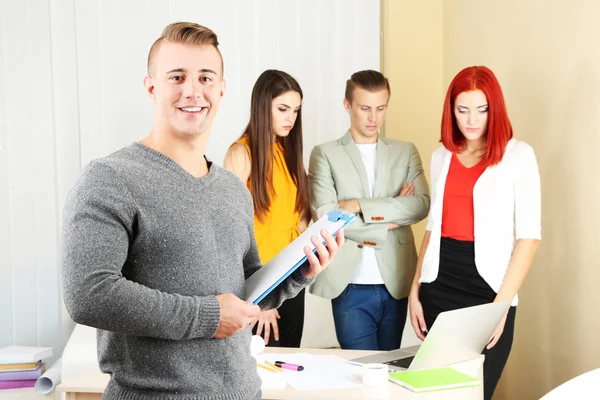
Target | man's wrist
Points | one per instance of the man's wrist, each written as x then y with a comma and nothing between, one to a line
357,209
304,271
351,205
299,276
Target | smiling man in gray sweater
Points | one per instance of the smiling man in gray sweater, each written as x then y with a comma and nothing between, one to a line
157,243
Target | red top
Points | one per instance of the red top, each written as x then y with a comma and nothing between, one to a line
457,212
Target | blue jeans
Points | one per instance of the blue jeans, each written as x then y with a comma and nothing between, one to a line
367,317
259,395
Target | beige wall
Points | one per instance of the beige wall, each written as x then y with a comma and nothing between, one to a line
412,61
547,58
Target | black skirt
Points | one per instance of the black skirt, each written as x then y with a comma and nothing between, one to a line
458,283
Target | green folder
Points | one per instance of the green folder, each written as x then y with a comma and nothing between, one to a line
425,380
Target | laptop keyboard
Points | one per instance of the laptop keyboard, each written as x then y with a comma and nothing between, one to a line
401,363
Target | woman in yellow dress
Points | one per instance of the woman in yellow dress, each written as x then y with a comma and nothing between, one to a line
268,158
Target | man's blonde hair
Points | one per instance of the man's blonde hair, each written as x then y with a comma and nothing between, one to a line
186,33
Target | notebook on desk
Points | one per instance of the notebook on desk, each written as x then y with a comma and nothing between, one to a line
456,336
263,281
432,379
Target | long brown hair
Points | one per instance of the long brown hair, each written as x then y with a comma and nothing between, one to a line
269,85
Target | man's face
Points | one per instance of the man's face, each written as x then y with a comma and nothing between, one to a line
187,86
367,113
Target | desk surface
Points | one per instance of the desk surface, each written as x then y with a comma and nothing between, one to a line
89,383
26,394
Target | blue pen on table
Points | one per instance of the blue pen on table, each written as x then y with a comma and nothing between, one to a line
293,367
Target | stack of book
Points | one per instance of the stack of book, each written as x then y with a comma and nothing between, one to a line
21,366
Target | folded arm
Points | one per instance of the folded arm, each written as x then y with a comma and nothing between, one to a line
401,210
324,198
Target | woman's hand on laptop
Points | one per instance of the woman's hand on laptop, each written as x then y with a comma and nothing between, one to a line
497,333
417,319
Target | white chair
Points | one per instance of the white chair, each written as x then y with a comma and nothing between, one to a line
319,329
584,386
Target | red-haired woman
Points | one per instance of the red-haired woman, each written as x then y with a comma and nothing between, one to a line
485,219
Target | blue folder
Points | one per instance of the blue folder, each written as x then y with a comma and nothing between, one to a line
263,281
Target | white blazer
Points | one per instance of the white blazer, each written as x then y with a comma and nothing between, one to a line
507,207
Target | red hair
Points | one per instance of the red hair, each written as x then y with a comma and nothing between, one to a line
499,129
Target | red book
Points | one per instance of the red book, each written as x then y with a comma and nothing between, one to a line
17,384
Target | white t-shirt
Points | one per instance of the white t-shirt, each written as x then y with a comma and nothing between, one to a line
367,271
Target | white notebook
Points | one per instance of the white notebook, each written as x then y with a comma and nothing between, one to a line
23,354
263,281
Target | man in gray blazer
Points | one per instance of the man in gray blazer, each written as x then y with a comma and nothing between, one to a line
382,182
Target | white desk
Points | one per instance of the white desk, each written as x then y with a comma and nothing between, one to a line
90,384
26,394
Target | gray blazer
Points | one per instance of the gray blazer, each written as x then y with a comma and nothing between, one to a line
336,172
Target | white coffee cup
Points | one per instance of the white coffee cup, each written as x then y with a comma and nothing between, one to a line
257,345
375,375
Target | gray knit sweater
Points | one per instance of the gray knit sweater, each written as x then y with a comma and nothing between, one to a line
146,247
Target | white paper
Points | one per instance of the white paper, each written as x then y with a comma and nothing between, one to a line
284,261
48,381
320,372
270,380
23,354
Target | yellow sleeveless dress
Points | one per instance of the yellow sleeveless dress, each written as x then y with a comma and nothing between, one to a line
280,224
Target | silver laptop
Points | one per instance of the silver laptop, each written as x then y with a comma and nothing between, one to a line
456,336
